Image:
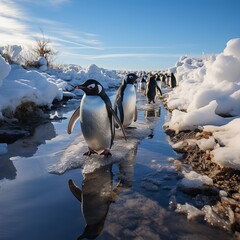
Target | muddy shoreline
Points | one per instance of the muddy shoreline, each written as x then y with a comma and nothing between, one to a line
224,212
27,117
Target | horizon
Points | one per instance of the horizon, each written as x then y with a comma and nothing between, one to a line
127,35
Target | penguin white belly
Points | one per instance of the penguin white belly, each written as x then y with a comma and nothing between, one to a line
95,123
129,103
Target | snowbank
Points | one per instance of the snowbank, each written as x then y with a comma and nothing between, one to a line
43,85
181,121
75,75
209,94
203,80
4,69
21,86
227,152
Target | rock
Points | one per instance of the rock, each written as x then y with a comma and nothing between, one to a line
11,135
230,202
236,196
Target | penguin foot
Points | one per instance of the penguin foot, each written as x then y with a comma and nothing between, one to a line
89,152
106,153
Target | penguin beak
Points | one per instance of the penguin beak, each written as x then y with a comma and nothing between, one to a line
80,87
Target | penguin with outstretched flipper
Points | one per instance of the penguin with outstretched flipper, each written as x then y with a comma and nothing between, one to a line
96,118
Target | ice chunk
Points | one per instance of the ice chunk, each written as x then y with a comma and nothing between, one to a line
213,215
195,180
73,154
191,211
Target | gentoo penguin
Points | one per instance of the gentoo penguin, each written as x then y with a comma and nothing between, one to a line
151,89
96,118
125,102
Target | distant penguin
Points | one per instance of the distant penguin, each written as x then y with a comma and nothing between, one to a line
158,80
125,102
143,82
151,89
96,118
173,81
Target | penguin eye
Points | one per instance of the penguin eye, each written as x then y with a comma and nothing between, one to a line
91,86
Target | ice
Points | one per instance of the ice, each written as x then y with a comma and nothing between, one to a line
191,211
194,180
213,216
73,154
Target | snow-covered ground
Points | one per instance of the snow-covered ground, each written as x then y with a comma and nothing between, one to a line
208,93
43,85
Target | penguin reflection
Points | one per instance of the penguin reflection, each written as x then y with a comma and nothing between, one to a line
153,112
95,197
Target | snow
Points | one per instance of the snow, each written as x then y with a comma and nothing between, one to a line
208,93
194,180
5,69
181,121
21,86
227,152
43,85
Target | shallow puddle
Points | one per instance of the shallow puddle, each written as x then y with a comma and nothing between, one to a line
126,197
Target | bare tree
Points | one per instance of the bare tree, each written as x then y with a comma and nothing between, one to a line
43,49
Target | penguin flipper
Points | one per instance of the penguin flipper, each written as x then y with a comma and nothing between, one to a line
159,89
118,121
135,114
121,112
73,119
75,190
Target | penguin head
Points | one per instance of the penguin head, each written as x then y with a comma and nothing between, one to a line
130,78
91,87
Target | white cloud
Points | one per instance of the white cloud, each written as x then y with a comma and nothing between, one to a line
19,27
135,55
125,55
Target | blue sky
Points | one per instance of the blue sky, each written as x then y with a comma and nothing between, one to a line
122,34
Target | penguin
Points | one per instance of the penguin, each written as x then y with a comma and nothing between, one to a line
125,101
151,89
96,118
173,81
142,82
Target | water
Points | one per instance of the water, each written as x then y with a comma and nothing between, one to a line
127,199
